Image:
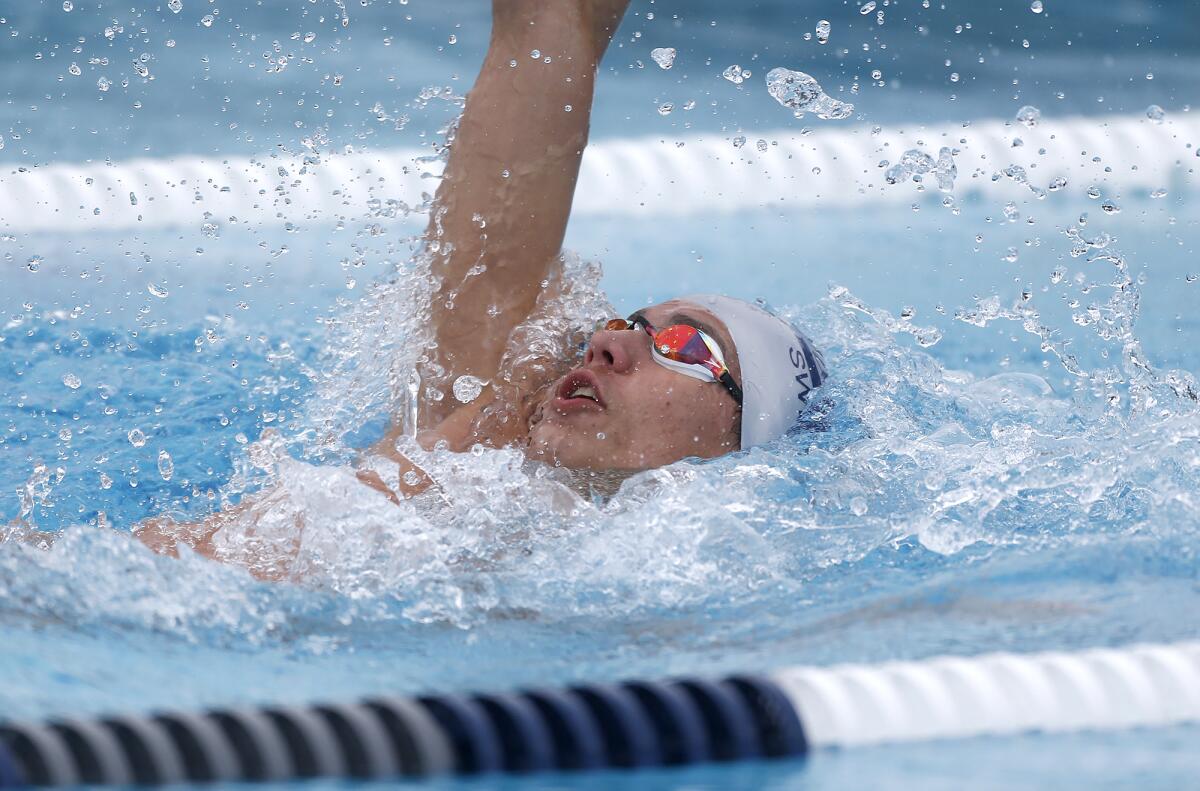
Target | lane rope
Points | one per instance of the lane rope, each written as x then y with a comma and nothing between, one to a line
634,724
833,167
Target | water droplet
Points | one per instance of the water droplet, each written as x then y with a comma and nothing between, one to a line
175,5
156,290
104,83
739,141
1011,255
68,6
1191,277
1056,184
1110,208
858,505
210,229
1158,193
411,478
567,108
537,53
1036,6
136,437
310,38
505,173
72,381
954,76
1029,116
166,467
665,108
1093,192
1155,113
1010,212
663,56
65,434
802,94
735,74
34,263
823,28
74,70
207,20
761,144
105,481
876,74
467,388
867,7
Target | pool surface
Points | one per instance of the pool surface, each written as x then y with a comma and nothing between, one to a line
1006,457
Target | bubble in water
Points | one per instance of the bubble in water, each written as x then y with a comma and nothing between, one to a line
1158,193
1036,6
823,28
1011,255
68,6
166,467
736,74
1056,184
72,381
802,94
104,83
210,229
74,70
1029,116
761,144
34,263
467,388
411,478
156,290
1110,208
867,7
136,437
175,5
105,481
1155,113
663,56
739,141
206,20
1011,213
665,108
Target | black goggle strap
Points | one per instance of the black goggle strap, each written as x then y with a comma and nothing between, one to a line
726,379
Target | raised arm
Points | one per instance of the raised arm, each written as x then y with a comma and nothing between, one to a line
501,210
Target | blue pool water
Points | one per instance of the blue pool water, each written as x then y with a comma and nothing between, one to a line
963,496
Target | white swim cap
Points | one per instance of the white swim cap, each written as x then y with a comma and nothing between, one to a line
779,366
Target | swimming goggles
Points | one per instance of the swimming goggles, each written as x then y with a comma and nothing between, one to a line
683,348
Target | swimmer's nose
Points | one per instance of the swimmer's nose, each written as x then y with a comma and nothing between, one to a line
616,350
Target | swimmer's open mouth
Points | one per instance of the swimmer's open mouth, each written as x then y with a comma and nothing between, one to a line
579,390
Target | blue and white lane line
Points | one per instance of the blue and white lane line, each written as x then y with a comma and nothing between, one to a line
628,725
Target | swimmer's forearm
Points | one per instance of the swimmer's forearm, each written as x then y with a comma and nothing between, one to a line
501,210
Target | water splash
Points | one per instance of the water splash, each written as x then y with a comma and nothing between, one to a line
802,94
663,56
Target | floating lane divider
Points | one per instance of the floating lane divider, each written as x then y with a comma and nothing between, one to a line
784,169
628,725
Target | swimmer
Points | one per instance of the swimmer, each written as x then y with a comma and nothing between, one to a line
697,376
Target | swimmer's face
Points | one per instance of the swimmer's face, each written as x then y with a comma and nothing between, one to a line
644,415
